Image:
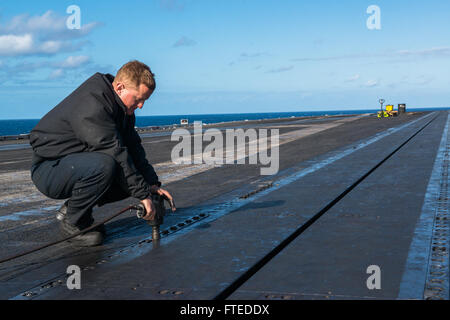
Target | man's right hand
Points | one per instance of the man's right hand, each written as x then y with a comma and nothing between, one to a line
149,209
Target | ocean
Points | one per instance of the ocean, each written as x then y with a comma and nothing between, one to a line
16,127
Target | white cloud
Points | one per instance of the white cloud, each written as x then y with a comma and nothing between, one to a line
26,45
24,23
72,66
372,83
47,34
73,62
11,45
48,26
56,74
354,78
49,47
438,51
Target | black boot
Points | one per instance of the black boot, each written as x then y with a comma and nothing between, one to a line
61,215
88,239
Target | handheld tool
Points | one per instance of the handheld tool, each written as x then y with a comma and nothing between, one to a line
158,202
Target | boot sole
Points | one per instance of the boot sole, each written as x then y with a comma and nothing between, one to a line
95,239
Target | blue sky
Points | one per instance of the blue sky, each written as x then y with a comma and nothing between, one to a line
217,56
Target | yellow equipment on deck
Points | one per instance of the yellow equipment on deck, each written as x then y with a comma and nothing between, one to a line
389,112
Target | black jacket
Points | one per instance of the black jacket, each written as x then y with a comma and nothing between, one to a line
93,118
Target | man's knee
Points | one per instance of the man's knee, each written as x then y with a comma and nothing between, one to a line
95,167
106,165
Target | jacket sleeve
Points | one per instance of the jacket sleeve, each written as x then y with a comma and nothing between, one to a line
137,152
95,127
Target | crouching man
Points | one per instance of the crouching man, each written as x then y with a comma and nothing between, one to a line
86,150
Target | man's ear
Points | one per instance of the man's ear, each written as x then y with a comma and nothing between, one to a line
119,86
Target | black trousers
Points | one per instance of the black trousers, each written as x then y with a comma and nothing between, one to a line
86,179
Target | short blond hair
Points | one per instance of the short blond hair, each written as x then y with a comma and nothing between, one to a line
135,73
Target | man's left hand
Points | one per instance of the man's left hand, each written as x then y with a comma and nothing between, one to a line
165,194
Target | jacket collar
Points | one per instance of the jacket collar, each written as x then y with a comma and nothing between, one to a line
109,80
